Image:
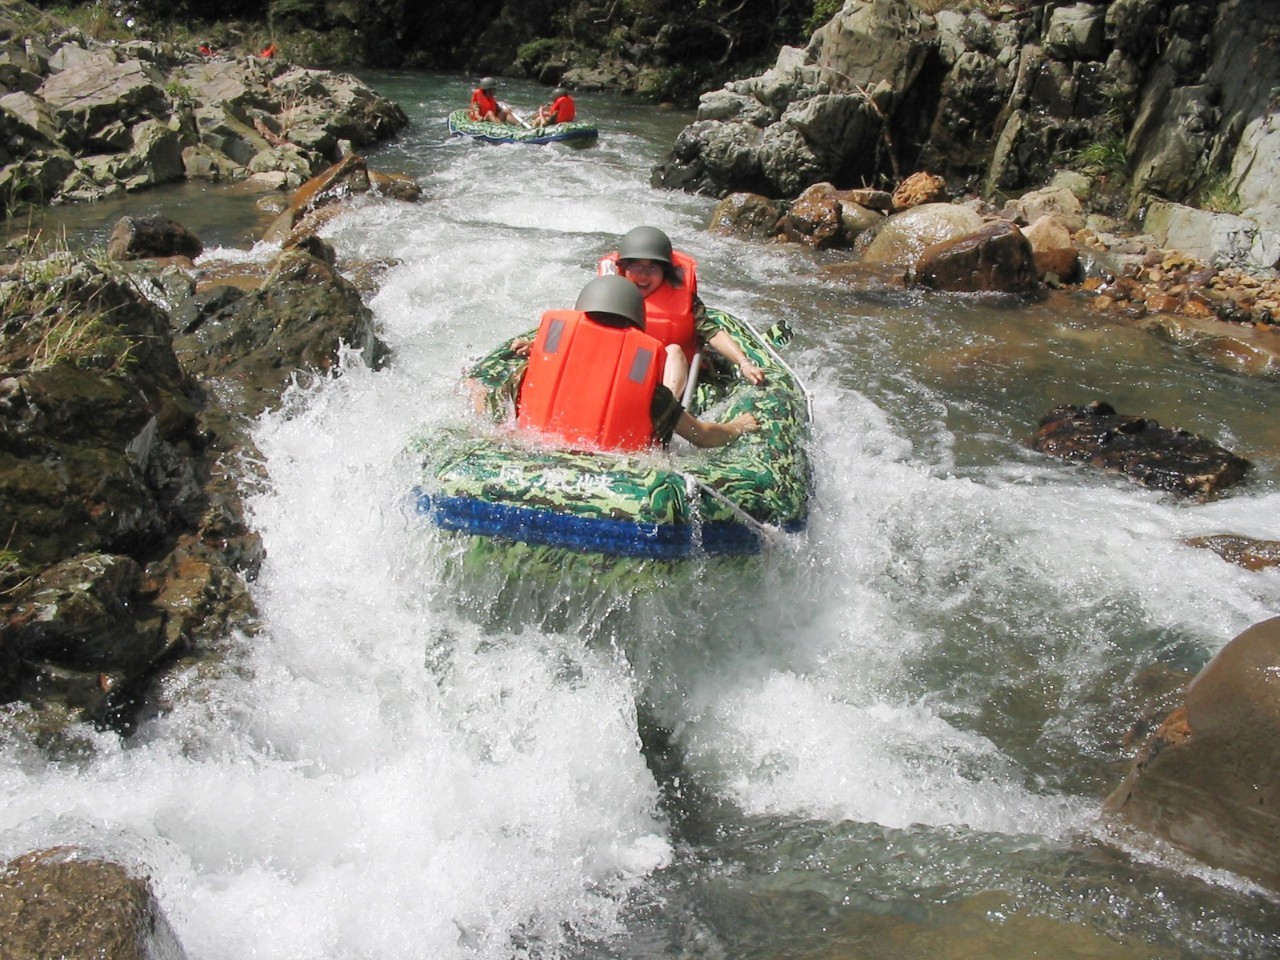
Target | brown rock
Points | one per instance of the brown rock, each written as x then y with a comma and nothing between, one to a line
747,215
59,903
814,218
994,258
1138,447
138,238
1052,247
1242,551
919,188
1208,780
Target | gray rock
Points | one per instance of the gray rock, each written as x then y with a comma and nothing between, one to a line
1217,238
1075,32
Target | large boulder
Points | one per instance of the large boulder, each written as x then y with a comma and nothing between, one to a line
814,116
107,462
995,258
1140,448
900,239
296,322
1206,779
62,902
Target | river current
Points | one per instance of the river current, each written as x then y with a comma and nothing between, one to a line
888,738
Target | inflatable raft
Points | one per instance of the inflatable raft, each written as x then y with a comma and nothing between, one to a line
578,133
731,500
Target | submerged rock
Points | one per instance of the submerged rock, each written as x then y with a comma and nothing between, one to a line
1206,779
1161,457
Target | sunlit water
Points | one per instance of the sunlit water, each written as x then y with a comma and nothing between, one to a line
889,738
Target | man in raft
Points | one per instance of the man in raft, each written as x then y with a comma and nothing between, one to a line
561,109
485,105
595,378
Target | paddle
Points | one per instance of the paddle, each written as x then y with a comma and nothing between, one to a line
524,123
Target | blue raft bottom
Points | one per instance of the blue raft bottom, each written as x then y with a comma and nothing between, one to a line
623,538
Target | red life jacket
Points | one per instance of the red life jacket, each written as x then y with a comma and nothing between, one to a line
589,384
482,105
563,110
668,311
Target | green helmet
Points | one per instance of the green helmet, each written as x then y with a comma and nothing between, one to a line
559,92
613,295
487,83
645,243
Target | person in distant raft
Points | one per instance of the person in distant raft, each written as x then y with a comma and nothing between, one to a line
485,105
674,313
595,379
561,109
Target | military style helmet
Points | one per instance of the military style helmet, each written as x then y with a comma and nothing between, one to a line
487,83
559,92
613,295
645,243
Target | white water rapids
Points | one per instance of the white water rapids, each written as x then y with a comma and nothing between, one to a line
914,707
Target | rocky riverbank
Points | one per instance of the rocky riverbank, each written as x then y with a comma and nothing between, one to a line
83,119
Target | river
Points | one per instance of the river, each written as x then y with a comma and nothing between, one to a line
890,738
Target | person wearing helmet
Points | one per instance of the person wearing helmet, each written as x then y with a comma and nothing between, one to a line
485,105
594,378
561,109
674,313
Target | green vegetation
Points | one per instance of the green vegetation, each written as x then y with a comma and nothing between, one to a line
1104,158
11,571
39,308
1219,195
823,10
100,20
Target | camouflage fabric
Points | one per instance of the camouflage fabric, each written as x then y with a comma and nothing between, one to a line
653,504
577,133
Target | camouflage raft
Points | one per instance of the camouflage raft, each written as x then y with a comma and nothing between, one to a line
579,133
661,504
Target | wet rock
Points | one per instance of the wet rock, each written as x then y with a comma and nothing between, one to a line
1246,349
747,215
296,322
135,238
82,629
814,218
1163,458
63,902
109,456
995,258
1206,780
1242,551
901,238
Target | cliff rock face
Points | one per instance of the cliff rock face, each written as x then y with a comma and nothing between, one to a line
1175,99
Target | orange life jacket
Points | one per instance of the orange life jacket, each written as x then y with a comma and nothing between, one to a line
589,384
668,311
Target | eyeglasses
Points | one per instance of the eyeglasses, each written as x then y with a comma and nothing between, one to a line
639,266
